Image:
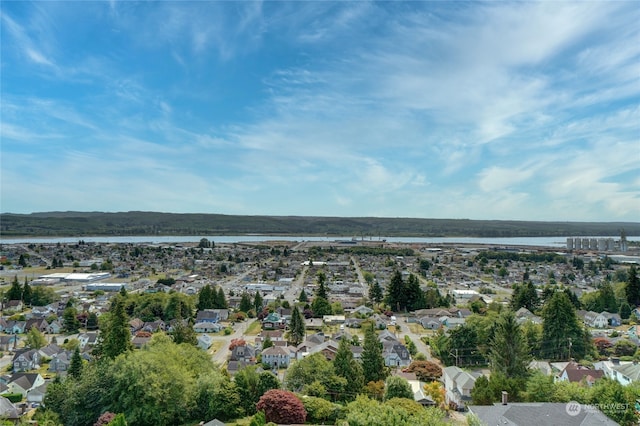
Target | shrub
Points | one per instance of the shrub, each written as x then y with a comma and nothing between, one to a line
281,406
13,397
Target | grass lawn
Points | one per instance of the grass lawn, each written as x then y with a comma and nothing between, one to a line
254,329
215,347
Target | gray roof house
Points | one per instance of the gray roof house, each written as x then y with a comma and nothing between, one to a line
458,385
539,414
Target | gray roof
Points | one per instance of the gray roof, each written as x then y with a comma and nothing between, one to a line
539,414
632,371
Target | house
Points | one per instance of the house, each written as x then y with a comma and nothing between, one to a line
9,411
154,326
24,382
87,340
136,325
8,342
613,319
273,321
593,319
362,310
539,413
212,315
50,350
430,323
207,327
575,372
37,394
204,341
277,356
60,362
246,352
458,385
626,374
14,306
39,324
26,359
140,339
395,354
15,327
55,327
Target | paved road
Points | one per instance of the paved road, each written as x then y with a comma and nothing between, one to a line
222,354
420,345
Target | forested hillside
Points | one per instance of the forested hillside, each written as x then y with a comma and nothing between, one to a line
153,223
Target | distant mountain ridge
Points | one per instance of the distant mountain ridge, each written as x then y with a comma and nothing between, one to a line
133,223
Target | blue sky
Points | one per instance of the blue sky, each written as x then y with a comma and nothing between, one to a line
496,110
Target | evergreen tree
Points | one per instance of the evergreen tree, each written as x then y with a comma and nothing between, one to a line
372,361
92,321
508,349
573,298
297,327
625,310
27,293
245,303
303,296
206,298
183,332
350,369
375,292
22,261
608,298
632,289
525,295
75,367
258,302
321,307
321,291
15,291
414,295
562,332
71,321
117,335
267,343
220,299
395,297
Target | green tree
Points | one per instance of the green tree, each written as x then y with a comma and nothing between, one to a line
320,307
22,261
624,310
27,293
75,367
258,302
116,334
217,397
397,387
561,330
481,393
525,295
375,292
608,298
206,298
296,327
183,332
395,297
92,321
539,388
463,344
245,302
267,381
71,322
220,301
179,306
247,381
35,339
314,367
508,350
414,295
15,291
350,369
321,291
632,289
372,361
267,343
303,296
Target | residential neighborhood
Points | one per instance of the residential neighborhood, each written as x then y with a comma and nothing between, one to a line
258,306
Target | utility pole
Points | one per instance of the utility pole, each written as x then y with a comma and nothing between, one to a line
570,344
455,355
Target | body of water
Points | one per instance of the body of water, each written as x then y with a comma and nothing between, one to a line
559,242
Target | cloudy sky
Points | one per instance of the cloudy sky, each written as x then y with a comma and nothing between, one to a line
495,110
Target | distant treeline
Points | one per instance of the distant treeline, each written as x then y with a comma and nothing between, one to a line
72,224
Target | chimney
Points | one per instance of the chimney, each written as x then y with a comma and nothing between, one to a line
615,361
505,397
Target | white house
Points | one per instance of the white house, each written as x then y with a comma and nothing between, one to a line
458,385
